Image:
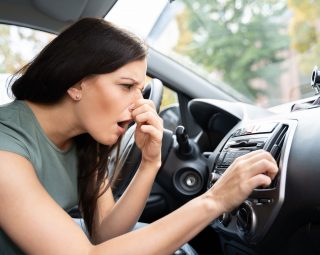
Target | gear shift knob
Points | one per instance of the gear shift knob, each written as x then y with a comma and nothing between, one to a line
183,140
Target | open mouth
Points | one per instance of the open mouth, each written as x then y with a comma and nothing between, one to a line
124,124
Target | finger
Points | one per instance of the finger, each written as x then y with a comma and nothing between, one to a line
264,157
257,163
259,180
264,166
254,153
142,109
149,118
257,155
141,102
152,131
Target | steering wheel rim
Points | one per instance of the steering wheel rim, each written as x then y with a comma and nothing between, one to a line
129,154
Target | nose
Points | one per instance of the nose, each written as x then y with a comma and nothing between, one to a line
135,97
138,94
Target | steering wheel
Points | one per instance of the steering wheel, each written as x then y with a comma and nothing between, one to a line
129,155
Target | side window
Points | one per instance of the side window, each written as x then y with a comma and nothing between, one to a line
18,46
169,109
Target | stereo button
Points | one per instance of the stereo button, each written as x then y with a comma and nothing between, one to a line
265,200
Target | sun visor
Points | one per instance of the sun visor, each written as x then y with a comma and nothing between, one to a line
60,9
51,16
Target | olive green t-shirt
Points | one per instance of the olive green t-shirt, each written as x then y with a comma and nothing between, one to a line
21,133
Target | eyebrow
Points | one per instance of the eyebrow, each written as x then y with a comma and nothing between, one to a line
128,78
134,81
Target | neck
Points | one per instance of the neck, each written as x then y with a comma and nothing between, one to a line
58,122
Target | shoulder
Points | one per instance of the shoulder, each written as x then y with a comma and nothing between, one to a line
16,128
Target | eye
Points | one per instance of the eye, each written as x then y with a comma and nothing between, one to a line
127,86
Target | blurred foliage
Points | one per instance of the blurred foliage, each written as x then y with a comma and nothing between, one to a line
19,45
236,40
169,97
304,31
9,60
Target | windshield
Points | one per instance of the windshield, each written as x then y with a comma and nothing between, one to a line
264,50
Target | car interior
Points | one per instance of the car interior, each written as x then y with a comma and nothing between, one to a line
209,124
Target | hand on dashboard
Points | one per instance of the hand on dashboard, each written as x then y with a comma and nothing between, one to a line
257,168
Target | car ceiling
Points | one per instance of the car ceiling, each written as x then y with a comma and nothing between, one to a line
51,16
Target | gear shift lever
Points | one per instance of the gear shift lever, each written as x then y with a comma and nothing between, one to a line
183,141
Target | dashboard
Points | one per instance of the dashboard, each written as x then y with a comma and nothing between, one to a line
281,219
270,218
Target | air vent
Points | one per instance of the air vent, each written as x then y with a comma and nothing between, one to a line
277,142
275,147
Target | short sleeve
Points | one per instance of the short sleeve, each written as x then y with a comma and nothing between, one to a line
13,141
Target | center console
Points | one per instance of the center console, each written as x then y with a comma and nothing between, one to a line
252,219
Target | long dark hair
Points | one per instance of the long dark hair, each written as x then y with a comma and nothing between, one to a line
88,47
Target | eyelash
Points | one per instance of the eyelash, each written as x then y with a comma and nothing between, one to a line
127,86
130,86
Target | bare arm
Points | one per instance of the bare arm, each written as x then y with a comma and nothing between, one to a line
114,219
44,228
30,217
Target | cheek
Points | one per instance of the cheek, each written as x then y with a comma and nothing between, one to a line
100,103
103,107
101,115
95,113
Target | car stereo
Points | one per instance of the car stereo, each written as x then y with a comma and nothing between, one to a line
267,136
264,203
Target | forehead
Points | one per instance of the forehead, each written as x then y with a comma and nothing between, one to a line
135,70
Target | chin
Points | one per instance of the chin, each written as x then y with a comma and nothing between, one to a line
110,140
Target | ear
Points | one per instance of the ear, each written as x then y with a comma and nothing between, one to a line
75,92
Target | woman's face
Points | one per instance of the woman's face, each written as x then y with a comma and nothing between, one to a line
104,109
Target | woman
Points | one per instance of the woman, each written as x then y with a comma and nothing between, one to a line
73,102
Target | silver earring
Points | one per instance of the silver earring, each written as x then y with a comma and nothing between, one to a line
77,97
